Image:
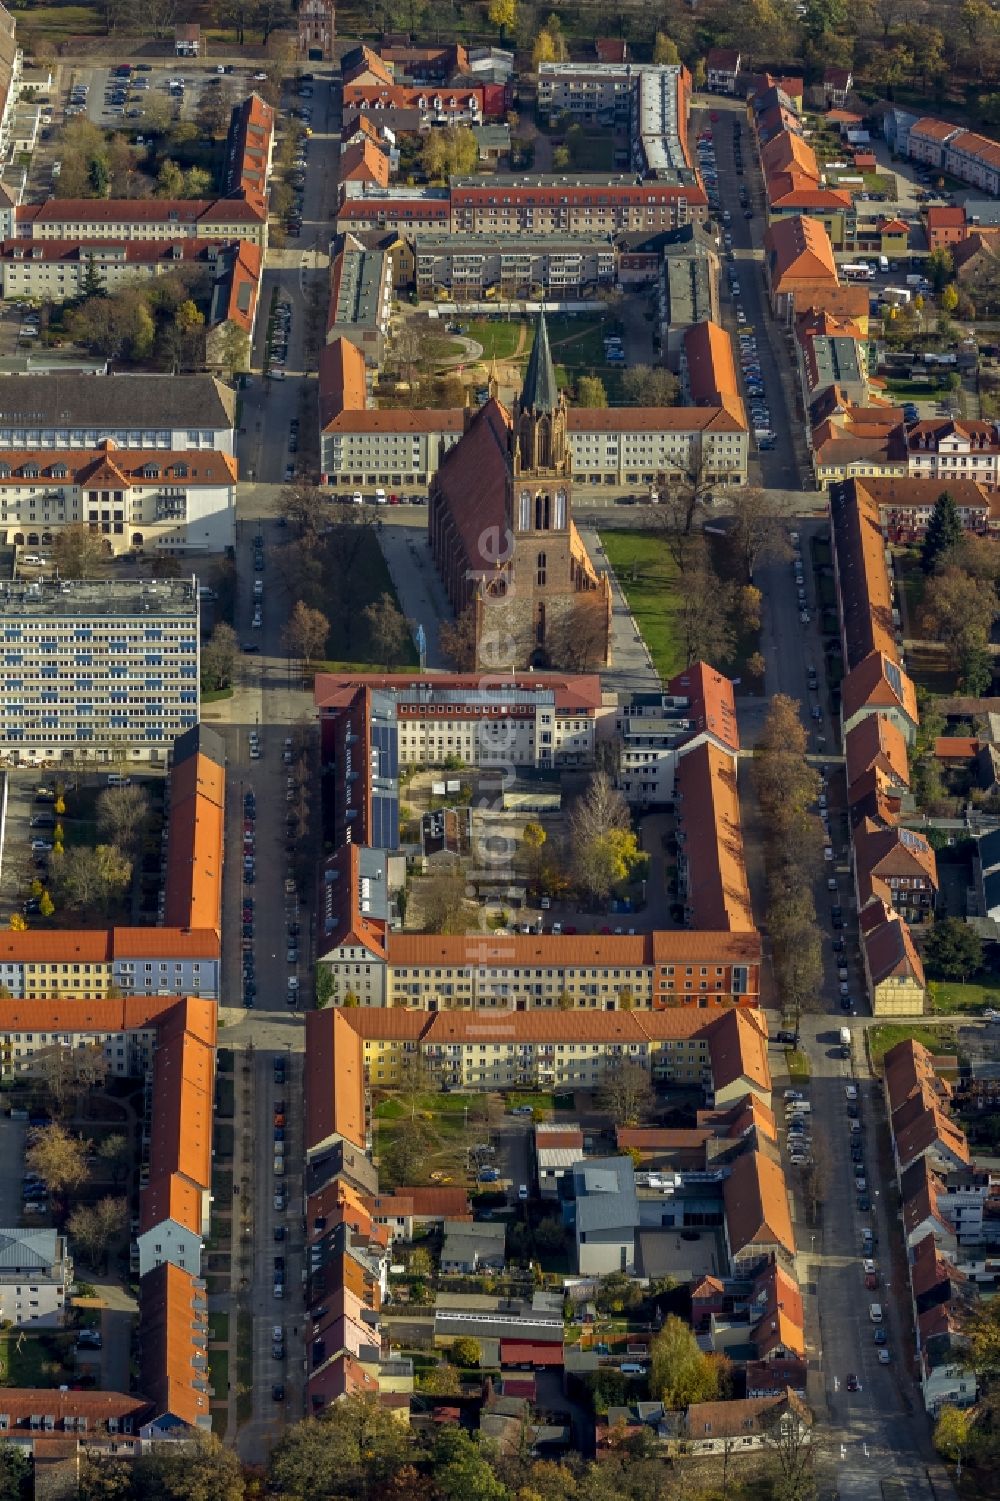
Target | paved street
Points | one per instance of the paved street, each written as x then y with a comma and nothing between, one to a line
881,1429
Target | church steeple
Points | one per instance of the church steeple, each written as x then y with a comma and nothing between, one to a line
540,392
539,445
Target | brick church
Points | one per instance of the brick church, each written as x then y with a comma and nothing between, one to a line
502,534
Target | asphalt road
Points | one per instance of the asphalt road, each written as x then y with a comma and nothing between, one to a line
881,1429
777,468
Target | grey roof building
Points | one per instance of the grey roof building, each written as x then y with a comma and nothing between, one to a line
35,1276
474,1246
107,403
606,1215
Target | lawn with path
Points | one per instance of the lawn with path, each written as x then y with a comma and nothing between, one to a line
651,582
649,579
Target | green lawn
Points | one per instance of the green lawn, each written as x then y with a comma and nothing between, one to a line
917,388
218,1326
371,580
797,1064
912,580
497,336
649,580
928,666
939,1039
951,998
35,1360
393,1109
218,1373
577,346
53,22
651,585
537,1101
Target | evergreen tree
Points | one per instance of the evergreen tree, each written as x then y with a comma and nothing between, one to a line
92,286
944,532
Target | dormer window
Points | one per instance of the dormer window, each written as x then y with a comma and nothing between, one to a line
151,471
59,471
30,471
180,471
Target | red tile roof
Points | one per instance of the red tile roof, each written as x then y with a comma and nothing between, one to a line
524,1352
718,893
334,1080
712,702
173,1344
756,1205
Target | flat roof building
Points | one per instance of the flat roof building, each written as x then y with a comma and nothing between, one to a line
97,669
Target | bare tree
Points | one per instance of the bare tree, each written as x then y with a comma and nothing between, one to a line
94,1226
79,553
457,639
757,530
305,633
791,1452
68,1073
218,658
386,628
626,1093
122,815
58,1157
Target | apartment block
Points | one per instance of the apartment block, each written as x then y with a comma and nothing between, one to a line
657,729
58,270
84,219
36,1273
575,203
144,500
360,445
97,669
724,1053
470,266
360,298
954,449
173,414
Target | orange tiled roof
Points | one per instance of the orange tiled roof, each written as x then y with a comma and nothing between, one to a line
756,1202
334,1082
737,1049
798,250
718,892
173,1343
711,368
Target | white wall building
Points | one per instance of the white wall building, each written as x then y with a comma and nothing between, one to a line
36,1272
90,667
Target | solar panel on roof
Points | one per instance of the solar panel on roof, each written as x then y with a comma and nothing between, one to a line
893,677
911,840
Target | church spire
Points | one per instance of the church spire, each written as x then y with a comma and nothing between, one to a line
539,392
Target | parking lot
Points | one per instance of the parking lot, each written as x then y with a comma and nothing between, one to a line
114,97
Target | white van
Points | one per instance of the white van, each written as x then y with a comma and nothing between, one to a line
117,779
875,1313
800,1107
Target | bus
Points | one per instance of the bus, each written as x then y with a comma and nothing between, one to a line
859,272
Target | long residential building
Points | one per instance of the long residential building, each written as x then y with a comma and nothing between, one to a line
171,413
477,266
96,669
59,270
970,157
895,873
610,446
171,1042
84,219
724,1053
